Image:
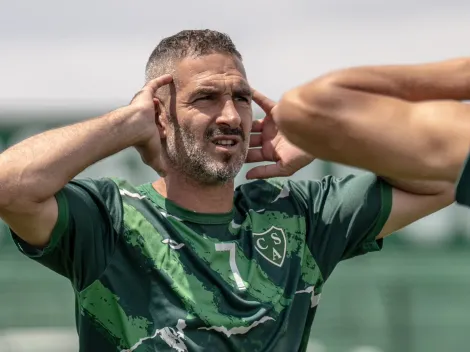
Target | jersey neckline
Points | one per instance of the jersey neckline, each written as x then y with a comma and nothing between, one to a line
182,213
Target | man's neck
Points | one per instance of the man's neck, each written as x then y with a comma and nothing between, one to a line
195,196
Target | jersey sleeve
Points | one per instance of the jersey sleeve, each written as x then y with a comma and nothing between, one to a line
344,216
462,192
86,232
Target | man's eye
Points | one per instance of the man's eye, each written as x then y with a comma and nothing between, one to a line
242,99
204,97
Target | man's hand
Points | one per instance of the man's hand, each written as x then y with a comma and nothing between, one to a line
53,158
268,144
148,107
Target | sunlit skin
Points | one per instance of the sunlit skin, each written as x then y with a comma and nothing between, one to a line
212,104
210,101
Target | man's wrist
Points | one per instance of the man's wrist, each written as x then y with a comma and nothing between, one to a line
127,125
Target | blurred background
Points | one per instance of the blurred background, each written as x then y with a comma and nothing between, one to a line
62,62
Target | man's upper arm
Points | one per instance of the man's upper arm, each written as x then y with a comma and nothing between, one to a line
36,225
83,239
409,207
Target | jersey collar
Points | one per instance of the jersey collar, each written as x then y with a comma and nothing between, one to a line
182,213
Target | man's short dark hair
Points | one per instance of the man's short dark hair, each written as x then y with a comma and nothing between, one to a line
187,43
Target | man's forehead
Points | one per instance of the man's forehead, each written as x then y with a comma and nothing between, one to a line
219,84
213,70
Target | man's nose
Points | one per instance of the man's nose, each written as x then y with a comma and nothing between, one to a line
229,115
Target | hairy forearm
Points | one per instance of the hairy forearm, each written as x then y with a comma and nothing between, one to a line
364,117
448,79
416,146
35,169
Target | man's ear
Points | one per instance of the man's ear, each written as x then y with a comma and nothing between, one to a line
161,118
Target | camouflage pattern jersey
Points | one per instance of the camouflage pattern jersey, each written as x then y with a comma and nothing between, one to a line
149,275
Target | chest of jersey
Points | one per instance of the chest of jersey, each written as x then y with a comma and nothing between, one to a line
246,282
259,253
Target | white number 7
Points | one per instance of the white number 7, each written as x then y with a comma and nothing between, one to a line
230,247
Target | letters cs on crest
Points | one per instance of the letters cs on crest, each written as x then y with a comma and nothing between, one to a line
272,245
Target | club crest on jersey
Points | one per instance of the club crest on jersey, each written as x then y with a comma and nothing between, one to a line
272,245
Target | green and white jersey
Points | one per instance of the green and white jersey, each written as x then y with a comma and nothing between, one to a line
149,275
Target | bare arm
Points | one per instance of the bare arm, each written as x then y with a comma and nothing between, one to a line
398,121
401,122
33,171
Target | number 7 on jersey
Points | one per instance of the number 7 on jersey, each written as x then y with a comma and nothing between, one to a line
231,248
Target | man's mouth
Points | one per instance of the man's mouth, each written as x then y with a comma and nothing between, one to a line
226,141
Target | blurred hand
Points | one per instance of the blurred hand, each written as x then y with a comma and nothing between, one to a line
147,106
268,144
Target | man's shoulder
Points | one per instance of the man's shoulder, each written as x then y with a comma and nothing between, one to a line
124,186
106,187
275,189
303,192
260,188
276,182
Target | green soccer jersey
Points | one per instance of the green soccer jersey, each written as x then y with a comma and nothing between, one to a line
462,194
149,275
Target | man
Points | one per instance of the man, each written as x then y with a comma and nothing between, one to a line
187,263
409,114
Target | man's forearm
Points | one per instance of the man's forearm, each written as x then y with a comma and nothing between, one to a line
360,117
448,79
37,168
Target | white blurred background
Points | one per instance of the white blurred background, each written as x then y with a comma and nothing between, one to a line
65,61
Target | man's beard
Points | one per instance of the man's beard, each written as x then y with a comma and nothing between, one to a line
188,156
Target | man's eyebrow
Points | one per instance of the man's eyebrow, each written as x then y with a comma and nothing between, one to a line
205,90
244,91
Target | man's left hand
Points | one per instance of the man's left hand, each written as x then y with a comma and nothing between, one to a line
268,144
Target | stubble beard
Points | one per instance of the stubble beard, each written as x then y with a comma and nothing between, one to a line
189,156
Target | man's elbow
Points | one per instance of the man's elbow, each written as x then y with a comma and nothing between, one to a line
309,112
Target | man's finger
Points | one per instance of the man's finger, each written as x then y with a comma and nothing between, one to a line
264,102
255,140
158,82
265,171
257,126
254,156
152,87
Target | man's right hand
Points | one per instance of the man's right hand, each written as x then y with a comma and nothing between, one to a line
268,144
148,107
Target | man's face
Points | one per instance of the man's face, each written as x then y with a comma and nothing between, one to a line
209,119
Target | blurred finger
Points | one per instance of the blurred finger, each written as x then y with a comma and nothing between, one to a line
264,171
263,102
257,126
255,140
254,156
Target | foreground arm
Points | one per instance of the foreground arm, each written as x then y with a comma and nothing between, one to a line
402,122
398,121
35,170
